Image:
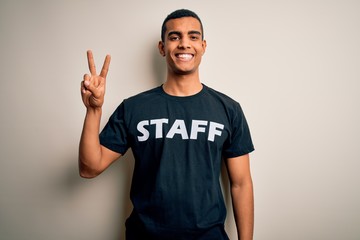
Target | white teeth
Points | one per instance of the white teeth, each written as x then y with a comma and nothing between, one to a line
185,56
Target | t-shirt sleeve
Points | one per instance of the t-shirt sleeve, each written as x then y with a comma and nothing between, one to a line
114,135
239,142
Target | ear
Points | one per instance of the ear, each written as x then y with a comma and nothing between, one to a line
204,45
161,47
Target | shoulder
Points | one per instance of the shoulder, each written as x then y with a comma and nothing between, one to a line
148,94
135,101
226,100
146,97
147,101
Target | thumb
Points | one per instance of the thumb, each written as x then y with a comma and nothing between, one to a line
96,91
89,86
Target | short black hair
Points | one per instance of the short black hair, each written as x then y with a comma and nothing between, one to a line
180,14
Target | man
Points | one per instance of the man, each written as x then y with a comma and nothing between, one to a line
179,133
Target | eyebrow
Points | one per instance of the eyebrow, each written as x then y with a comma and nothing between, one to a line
179,33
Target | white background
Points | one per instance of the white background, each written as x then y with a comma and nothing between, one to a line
294,65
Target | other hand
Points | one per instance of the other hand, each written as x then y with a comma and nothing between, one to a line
93,85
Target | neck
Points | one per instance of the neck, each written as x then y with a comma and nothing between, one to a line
182,85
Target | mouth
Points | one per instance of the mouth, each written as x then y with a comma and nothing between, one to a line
184,56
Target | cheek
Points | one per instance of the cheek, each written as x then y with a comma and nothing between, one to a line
169,58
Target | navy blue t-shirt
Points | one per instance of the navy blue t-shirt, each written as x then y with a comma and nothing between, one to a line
178,145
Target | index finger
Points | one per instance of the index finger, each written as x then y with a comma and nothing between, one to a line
105,67
91,62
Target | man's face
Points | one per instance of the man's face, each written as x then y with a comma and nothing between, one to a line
183,46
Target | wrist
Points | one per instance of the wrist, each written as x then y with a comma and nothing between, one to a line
93,111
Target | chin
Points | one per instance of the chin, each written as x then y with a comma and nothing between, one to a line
184,71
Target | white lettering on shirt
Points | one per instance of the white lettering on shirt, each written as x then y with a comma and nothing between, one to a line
141,128
213,130
159,126
195,128
178,127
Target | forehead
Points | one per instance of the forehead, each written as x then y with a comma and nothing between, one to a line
183,24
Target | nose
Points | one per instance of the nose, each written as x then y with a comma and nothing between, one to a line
184,43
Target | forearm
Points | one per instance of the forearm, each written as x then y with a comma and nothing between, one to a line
243,205
90,148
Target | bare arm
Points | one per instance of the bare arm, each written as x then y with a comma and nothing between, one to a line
94,158
242,195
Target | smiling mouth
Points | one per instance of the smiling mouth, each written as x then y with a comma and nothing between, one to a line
184,56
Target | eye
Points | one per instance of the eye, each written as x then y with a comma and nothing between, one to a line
194,37
174,38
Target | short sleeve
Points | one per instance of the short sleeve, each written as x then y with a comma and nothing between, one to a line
114,135
240,141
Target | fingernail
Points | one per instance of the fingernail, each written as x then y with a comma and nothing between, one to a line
86,83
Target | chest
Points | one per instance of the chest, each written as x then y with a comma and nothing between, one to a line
197,122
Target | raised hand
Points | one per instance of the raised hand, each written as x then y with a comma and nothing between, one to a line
93,85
